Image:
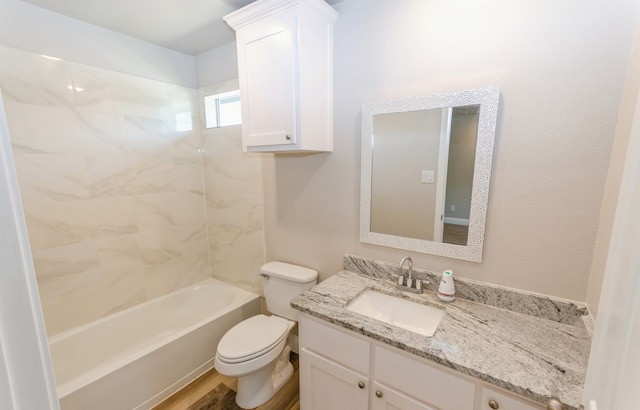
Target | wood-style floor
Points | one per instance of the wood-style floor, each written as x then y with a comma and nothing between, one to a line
213,391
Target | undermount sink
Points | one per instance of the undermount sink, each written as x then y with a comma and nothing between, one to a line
399,312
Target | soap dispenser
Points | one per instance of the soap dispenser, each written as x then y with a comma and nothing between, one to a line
447,289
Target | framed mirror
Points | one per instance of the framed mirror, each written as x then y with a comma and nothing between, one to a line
425,171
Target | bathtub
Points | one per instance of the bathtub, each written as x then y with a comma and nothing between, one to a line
136,358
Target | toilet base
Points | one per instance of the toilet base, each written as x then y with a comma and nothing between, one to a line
258,387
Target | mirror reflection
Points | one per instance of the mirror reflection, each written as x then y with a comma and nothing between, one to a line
426,165
422,173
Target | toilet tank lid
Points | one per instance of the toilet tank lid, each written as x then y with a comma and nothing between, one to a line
288,271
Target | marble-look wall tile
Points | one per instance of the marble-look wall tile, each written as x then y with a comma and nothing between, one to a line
53,223
77,305
233,183
57,177
111,177
119,176
38,129
169,209
177,273
34,79
67,266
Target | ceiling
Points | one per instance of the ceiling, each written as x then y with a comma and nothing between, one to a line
188,26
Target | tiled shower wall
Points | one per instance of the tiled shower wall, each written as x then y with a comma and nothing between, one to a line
233,185
111,177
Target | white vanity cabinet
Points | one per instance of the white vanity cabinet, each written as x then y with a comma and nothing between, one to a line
285,70
493,399
328,385
344,370
369,376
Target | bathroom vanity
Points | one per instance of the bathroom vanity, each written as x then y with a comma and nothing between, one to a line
483,354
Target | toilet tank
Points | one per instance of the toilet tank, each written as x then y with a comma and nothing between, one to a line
282,282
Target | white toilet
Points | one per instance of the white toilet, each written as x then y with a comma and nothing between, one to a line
255,350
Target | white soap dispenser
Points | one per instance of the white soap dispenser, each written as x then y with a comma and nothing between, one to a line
447,289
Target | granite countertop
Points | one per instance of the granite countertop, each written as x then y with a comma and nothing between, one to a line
527,354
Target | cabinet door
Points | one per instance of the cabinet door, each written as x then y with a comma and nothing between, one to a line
493,399
425,381
267,69
327,385
384,398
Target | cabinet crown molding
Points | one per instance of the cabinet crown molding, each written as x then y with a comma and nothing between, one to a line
263,8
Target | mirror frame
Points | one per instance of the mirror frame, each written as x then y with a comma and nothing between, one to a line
487,98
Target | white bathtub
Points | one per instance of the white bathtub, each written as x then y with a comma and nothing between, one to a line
136,358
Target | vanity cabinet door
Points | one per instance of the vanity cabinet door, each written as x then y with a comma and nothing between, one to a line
493,399
385,398
328,385
427,382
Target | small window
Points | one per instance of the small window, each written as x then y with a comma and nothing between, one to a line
222,110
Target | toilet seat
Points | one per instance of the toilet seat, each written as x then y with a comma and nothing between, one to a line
252,338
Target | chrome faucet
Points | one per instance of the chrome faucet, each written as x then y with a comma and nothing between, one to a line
408,283
402,261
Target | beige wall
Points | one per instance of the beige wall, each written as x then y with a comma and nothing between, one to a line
404,144
560,68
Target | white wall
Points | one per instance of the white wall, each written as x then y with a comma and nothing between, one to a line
40,31
560,68
614,362
26,377
217,65
614,176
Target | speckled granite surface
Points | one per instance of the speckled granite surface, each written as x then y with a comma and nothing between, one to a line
527,353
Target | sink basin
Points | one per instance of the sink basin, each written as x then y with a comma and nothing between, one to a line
399,312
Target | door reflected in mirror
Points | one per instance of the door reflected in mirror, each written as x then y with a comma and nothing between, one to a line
425,171
422,173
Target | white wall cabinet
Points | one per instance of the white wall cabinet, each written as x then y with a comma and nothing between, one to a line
344,370
285,71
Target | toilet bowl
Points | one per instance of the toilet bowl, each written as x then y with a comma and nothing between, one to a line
256,350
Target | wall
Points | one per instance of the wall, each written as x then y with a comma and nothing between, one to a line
26,377
233,186
614,176
404,145
110,173
217,66
560,68
27,27
462,153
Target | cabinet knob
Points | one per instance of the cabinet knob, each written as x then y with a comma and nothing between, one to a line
378,393
287,137
361,385
554,404
494,404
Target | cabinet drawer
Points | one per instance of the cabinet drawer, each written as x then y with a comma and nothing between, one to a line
504,401
423,381
335,344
